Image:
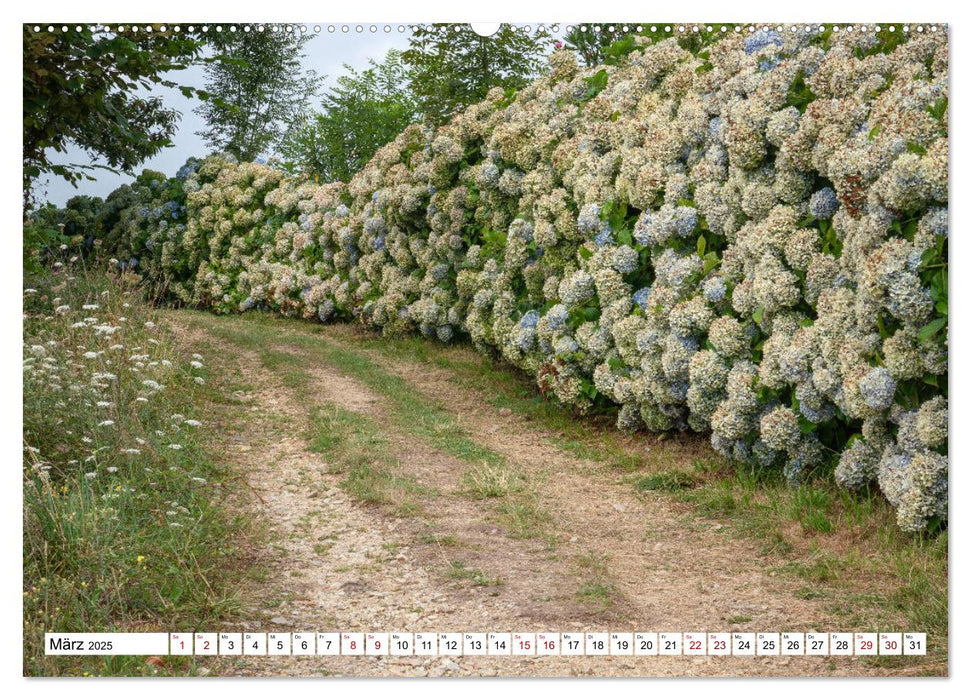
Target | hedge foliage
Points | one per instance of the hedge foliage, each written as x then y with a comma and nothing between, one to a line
746,237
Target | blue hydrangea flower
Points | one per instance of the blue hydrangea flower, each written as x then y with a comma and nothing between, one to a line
640,297
191,166
936,222
642,229
439,272
529,319
714,289
686,218
823,204
588,221
565,345
816,415
762,39
767,64
626,260
721,445
605,237
913,259
763,454
741,450
678,390
877,388
688,343
526,339
557,316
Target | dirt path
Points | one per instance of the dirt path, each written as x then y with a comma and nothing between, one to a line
604,558
672,576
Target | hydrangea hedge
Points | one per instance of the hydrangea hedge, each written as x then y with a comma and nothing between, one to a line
745,237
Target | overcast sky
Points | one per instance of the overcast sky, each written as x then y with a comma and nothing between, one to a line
326,54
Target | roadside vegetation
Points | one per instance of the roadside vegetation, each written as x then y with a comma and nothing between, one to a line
125,524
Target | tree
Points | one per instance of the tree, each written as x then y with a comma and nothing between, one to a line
259,90
453,67
364,111
600,43
90,89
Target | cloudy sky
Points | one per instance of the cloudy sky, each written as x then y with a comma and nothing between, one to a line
326,54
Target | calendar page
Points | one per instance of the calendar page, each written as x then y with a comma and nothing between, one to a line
426,349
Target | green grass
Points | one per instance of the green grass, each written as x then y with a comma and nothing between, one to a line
459,571
596,589
810,507
441,540
356,449
524,519
718,500
350,436
668,481
125,527
490,481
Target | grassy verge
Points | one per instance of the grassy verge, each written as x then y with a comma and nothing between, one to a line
124,524
841,547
